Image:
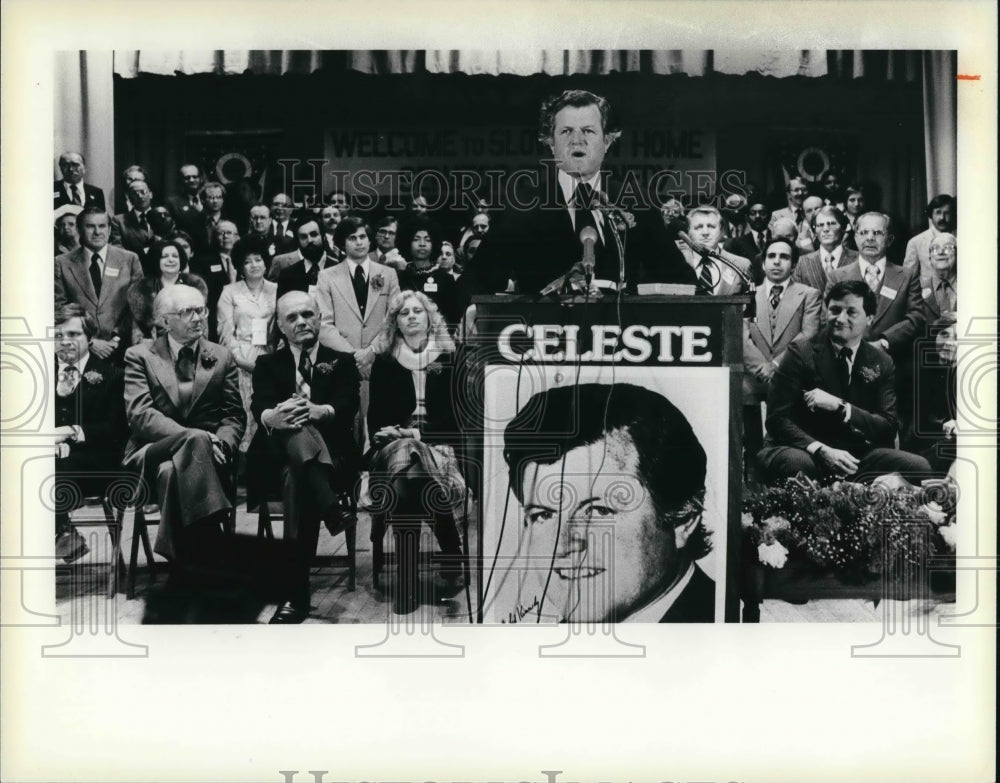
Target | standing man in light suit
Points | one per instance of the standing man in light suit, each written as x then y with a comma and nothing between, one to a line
97,277
354,298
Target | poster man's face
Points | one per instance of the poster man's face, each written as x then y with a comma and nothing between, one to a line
591,518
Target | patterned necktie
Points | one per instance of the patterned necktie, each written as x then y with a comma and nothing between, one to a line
776,296
844,368
871,277
95,273
706,282
946,301
68,379
761,241
305,370
827,262
584,200
360,288
75,190
185,364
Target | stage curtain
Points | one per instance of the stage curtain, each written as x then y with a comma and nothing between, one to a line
940,121
553,62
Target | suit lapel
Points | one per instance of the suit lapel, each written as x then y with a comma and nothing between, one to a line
342,279
162,364
202,374
764,324
110,282
80,266
890,278
786,309
826,367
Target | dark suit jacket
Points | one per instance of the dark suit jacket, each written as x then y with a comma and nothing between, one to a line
393,398
696,604
73,284
812,363
186,217
153,402
282,242
809,270
535,246
274,382
899,314
293,278
93,195
440,287
97,406
209,267
746,246
129,234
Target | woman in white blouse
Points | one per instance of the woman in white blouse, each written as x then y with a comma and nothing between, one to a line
246,319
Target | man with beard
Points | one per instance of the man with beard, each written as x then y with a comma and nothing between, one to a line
299,271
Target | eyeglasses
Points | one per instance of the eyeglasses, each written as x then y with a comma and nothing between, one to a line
868,232
384,232
189,313
946,250
827,224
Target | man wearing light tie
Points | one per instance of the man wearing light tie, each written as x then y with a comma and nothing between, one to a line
714,277
71,189
97,276
829,224
185,413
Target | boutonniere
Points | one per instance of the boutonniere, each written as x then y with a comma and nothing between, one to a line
378,282
93,377
869,374
270,250
209,360
324,368
434,368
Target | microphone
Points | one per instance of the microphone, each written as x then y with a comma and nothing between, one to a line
588,238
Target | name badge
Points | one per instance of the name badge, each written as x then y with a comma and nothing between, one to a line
111,271
430,287
926,293
258,331
888,293
312,290
215,268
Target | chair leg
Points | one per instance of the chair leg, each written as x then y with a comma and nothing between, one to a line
147,549
138,530
378,557
117,561
350,535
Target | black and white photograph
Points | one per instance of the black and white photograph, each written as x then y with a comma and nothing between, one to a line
632,326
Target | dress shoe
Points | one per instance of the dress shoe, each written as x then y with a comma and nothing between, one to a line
289,613
71,546
338,519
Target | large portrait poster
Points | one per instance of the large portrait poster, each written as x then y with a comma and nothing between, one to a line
589,532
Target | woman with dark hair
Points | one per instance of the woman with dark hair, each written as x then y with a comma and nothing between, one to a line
246,318
420,243
412,422
168,264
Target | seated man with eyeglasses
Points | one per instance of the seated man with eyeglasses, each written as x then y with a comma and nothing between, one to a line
182,399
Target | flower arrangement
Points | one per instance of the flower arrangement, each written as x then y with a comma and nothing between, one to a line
209,360
324,368
93,377
434,368
855,531
378,282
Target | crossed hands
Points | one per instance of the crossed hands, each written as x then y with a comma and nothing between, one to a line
294,413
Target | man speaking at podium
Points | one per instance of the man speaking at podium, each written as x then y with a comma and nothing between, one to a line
571,230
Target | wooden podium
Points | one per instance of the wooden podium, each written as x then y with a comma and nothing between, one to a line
689,349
